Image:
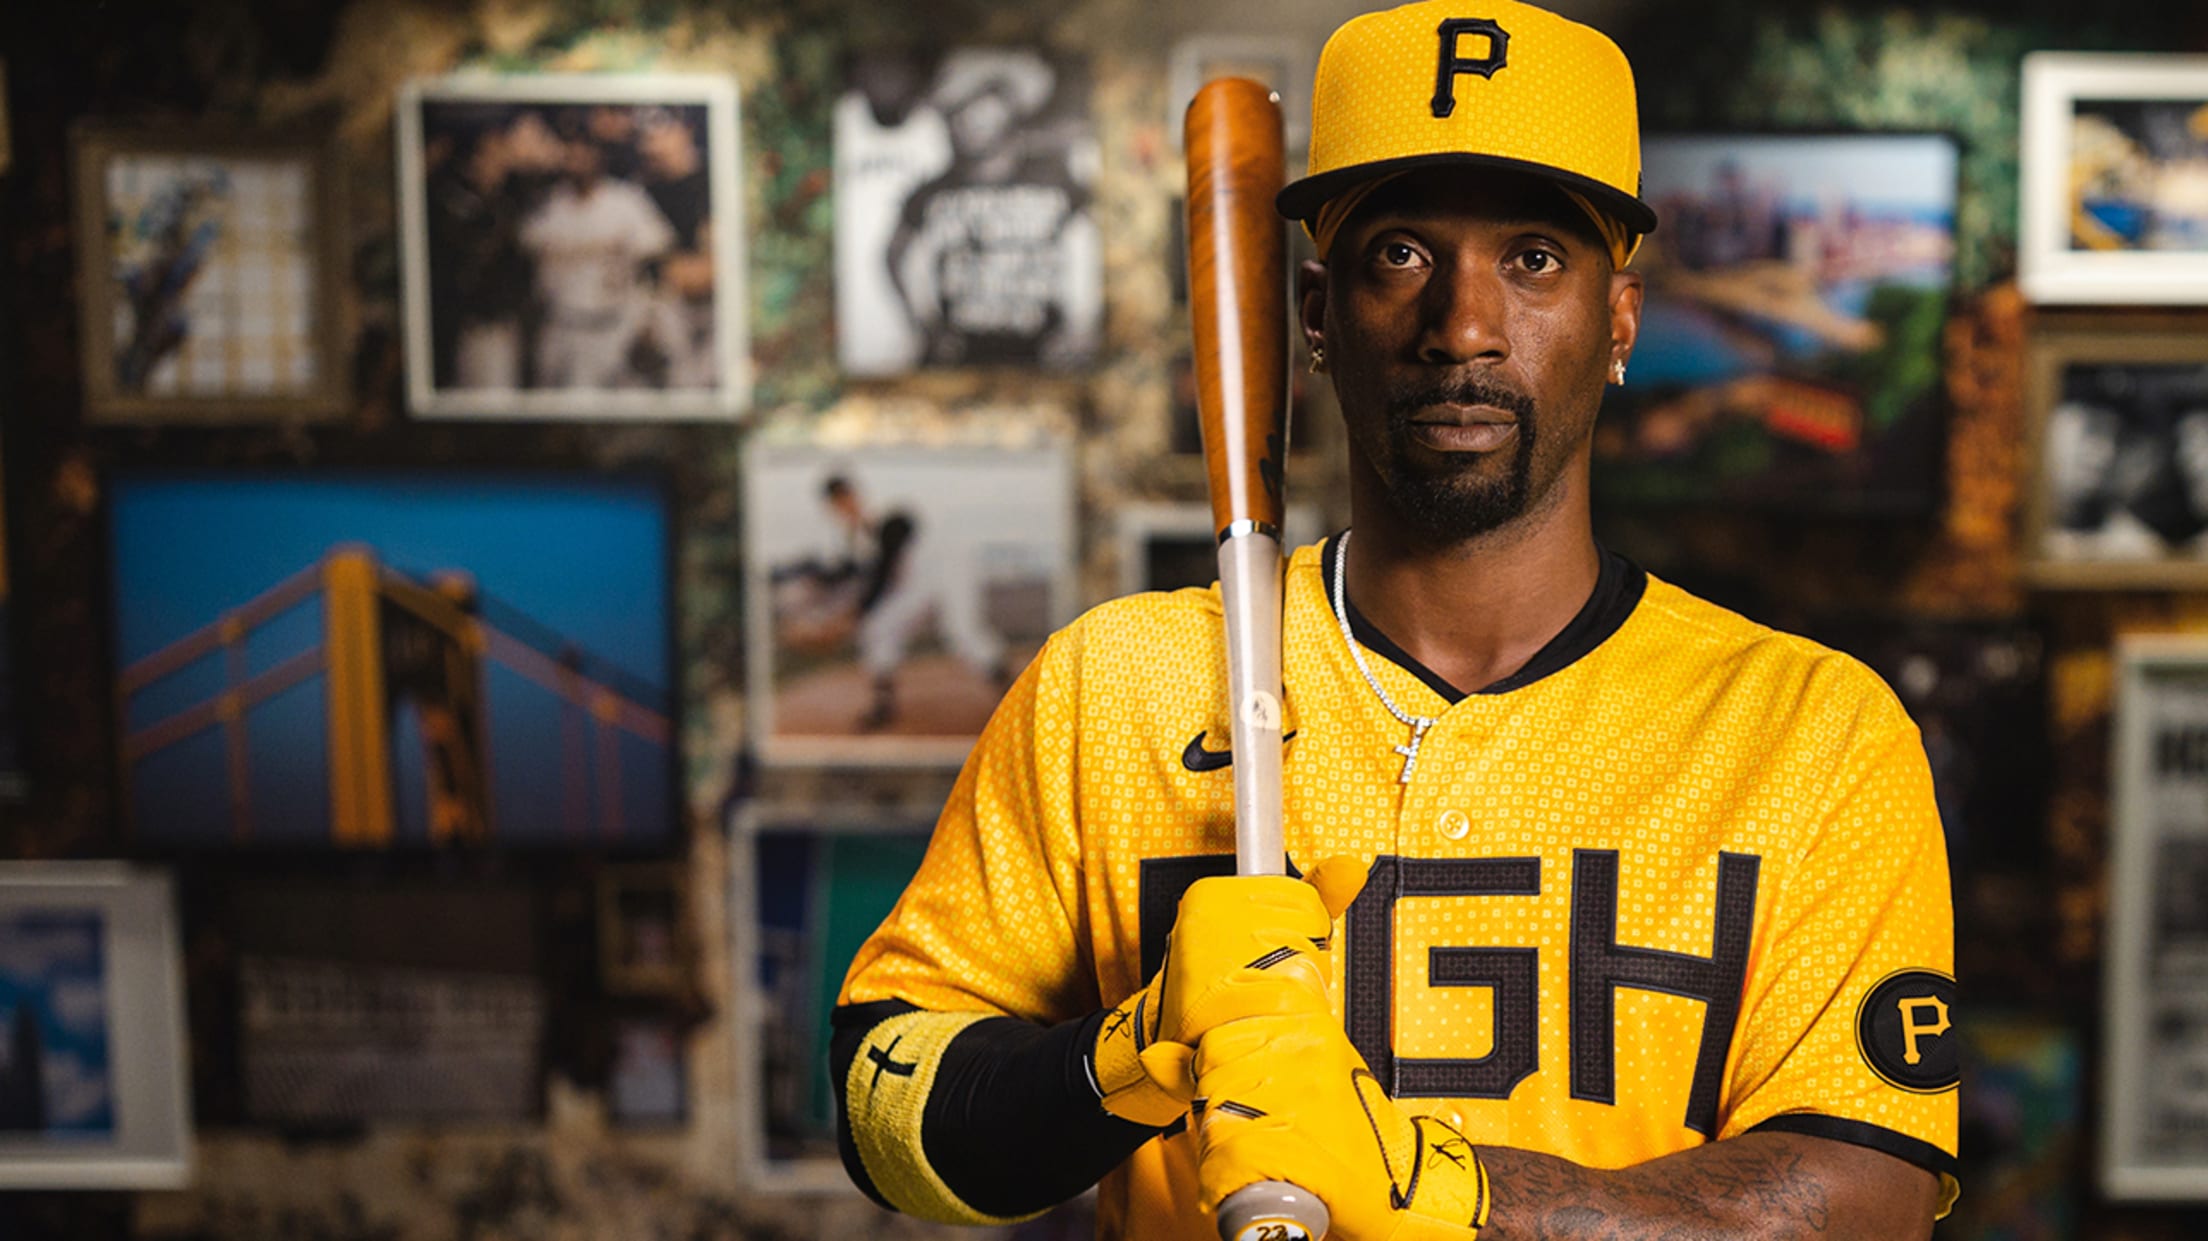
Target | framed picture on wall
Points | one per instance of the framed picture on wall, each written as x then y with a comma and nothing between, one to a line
2116,489
807,886
645,940
394,659
2154,1076
1790,352
966,230
1174,545
895,591
93,1084
1282,62
211,272
574,247
2114,171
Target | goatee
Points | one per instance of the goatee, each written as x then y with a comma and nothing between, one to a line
1448,504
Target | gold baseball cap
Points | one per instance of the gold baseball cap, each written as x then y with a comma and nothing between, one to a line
1485,83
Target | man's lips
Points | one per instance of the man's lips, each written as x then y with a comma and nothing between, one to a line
1463,428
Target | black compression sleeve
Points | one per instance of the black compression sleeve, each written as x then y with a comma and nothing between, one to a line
1012,1124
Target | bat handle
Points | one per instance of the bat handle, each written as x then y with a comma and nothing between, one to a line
1272,1211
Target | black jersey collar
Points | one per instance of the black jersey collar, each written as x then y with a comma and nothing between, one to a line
1619,584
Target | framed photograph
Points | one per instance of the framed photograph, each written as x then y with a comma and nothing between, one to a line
2116,493
650,1084
645,936
807,888
895,591
1282,62
965,213
1789,354
409,999
574,247
1172,546
394,659
93,1080
211,270
2114,172
2023,1126
2154,1073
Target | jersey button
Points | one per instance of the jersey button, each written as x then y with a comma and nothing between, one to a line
1454,824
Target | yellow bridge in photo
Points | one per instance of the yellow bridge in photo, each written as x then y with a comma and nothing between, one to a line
389,640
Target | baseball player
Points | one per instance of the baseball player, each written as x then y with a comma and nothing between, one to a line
1620,915
590,240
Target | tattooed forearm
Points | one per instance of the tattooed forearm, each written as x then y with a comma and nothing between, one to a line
1761,1186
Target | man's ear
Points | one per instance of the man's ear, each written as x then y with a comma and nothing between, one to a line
1311,302
1625,314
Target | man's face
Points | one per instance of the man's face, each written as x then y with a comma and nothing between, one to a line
1470,319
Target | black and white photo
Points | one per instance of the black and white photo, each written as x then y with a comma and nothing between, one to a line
965,221
2119,492
574,247
2154,1108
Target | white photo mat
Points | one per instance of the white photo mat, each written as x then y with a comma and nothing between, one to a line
2154,1087
89,957
1003,522
728,395
2049,268
761,1017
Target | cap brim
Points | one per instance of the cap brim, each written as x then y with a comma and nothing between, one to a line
1301,200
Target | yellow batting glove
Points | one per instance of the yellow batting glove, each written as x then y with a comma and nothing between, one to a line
1287,1098
1241,946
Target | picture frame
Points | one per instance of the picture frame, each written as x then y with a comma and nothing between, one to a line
211,274
395,658
573,247
2116,454
967,230
95,1091
648,1086
807,885
2154,1065
886,619
1283,62
419,999
646,935
1170,545
2108,149
1790,353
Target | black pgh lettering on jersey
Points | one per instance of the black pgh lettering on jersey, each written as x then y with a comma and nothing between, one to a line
1512,972
1453,62
1601,965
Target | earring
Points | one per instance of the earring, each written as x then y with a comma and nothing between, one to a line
1318,359
1617,370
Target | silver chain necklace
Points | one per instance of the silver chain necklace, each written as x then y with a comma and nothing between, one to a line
1418,724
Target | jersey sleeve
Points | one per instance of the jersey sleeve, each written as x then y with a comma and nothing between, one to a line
1847,1023
966,1022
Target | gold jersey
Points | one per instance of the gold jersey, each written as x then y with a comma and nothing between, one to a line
1690,884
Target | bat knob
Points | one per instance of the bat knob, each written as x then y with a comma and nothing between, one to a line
1272,1211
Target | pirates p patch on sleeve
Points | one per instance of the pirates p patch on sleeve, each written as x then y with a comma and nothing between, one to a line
1905,1028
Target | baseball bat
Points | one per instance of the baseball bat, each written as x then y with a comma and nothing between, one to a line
1238,303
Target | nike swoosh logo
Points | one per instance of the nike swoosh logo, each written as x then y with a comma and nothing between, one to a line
1197,758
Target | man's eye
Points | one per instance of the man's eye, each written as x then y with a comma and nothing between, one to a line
1397,254
1537,261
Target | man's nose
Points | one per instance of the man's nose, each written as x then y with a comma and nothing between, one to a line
1463,309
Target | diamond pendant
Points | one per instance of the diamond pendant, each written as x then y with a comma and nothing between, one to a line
1410,752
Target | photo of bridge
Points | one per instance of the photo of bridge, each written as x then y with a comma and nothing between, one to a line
393,660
